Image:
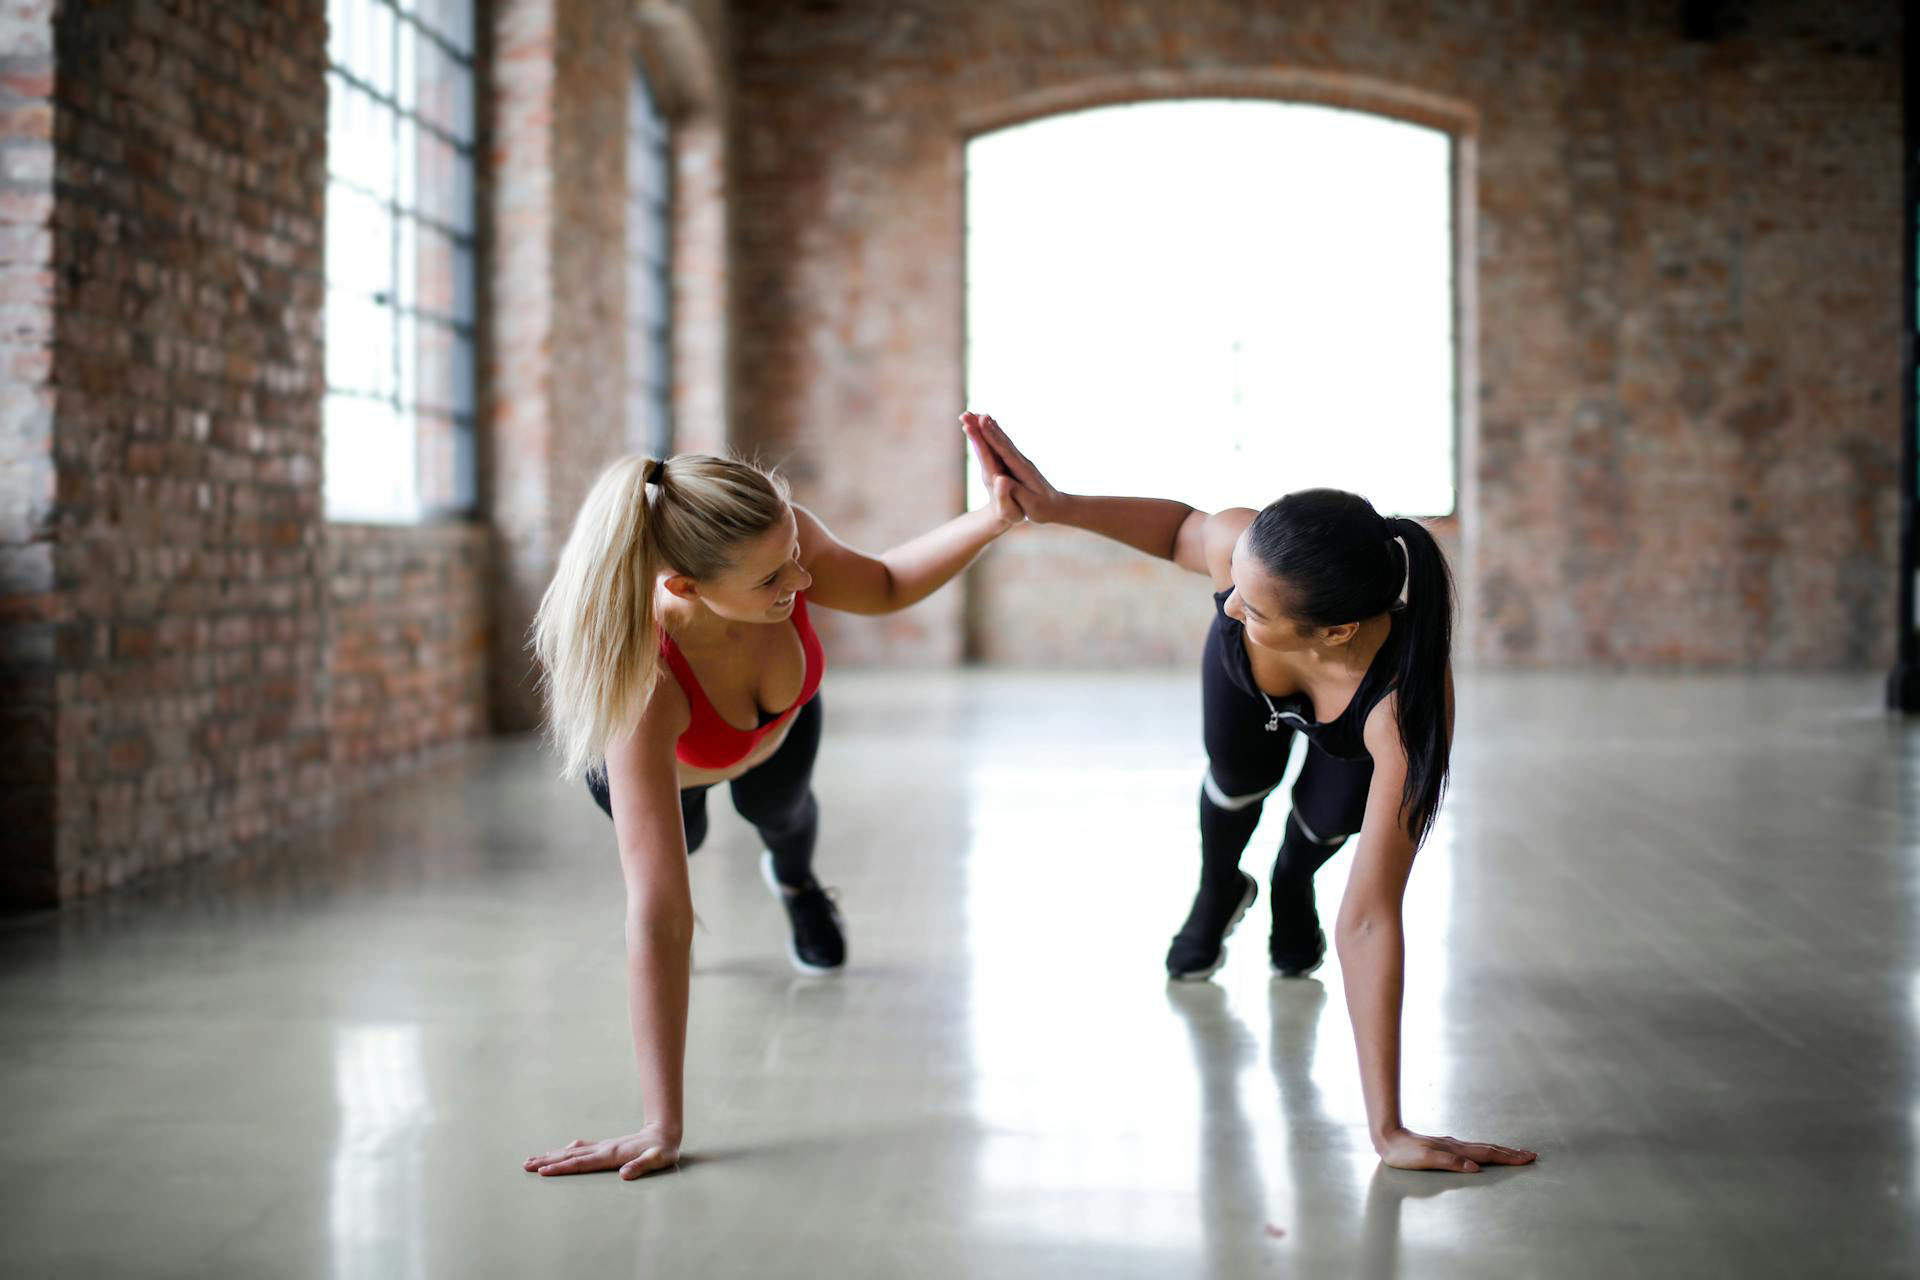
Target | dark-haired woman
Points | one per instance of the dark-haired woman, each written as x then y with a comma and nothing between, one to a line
1309,637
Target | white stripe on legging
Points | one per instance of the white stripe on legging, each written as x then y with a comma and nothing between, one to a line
1231,804
1307,831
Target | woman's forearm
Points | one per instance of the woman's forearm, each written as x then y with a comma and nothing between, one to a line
920,567
659,963
1372,959
1151,525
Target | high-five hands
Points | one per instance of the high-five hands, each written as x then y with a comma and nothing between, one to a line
1008,471
647,1151
1000,486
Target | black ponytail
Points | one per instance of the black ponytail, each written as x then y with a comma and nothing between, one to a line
1343,563
1424,729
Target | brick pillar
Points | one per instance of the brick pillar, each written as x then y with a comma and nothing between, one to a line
556,405
517,420
31,609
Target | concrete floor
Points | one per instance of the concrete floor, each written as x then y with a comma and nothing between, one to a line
1665,934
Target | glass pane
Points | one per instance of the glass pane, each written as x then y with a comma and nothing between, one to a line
439,77
381,343
454,20
463,464
407,371
339,30
342,358
654,355
432,272
438,487
647,290
340,124
406,180
646,237
407,41
407,234
460,81
647,160
361,141
463,375
460,195
337,255
377,70
436,195
359,242
433,343
374,253
463,299
382,160
366,477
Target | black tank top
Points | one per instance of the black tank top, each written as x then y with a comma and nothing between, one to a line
1341,737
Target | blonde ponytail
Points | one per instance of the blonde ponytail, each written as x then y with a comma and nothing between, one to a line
595,634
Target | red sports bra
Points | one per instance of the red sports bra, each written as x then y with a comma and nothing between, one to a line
712,743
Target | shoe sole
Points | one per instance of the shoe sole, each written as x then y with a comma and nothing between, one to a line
793,952
1278,972
1246,902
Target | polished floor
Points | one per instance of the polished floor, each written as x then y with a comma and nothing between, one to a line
1665,934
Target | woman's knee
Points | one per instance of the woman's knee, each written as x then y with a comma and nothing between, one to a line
775,814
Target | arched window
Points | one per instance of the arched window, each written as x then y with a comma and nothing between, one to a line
400,311
1219,301
649,274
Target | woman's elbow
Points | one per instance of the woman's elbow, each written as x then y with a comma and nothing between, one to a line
659,924
1364,927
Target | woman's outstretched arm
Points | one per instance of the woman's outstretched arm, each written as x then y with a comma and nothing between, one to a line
1371,941
1198,541
643,792
851,580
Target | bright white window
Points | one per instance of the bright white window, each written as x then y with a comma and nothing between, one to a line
1217,301
649,273
399,412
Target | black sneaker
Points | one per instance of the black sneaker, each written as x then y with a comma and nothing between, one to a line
817,945
1297,944
1199,949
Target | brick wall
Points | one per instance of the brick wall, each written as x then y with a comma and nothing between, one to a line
409,630
188,531
1683,432
193,661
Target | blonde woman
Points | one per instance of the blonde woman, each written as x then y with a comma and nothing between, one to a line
678,655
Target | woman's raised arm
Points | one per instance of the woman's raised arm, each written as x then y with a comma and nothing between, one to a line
851,580
1198,541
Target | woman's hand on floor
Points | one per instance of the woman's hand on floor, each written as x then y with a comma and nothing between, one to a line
648,1151
1405,1149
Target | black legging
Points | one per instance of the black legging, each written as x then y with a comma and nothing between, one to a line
1244,762
776,796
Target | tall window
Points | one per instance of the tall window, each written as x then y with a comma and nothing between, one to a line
400,259
649,274
1218,301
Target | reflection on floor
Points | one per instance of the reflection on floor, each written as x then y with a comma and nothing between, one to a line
1665,934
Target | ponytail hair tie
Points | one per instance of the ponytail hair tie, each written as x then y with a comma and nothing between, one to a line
657,472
